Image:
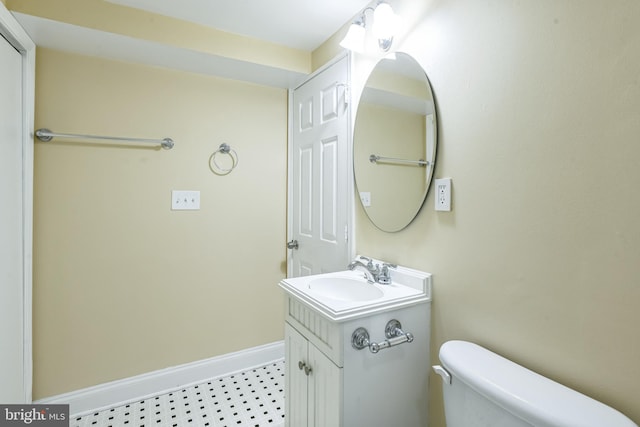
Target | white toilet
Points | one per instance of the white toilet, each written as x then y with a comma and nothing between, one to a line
483,389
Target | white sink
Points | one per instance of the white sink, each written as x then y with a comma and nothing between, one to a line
345,295
345,288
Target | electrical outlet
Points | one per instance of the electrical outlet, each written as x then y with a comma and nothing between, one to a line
185,200
365,197
443,194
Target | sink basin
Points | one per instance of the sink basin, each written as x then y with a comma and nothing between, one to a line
346,295
345,289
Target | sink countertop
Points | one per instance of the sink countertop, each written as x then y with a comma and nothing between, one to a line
408,287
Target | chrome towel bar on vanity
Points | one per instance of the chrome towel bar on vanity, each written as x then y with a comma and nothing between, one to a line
393,331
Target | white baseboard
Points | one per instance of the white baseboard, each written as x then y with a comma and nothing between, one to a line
115,393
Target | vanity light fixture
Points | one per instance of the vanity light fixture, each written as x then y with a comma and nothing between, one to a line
383,29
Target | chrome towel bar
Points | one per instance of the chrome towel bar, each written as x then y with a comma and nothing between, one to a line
46,135
375,159
393,331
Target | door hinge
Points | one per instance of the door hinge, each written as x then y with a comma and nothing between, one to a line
347,93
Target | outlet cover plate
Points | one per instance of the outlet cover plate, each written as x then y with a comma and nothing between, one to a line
443,194
365,197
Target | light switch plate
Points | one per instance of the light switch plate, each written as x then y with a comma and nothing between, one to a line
182,200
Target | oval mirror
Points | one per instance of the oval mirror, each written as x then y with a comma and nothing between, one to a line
394,142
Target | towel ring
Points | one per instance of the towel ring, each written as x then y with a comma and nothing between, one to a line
215,167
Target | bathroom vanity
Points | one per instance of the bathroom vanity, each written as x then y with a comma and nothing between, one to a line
357,353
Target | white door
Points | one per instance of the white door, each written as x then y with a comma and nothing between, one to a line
16,180
321,181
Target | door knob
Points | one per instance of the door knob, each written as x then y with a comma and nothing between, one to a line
292,244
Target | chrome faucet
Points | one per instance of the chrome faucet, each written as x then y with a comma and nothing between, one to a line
371,271
384,278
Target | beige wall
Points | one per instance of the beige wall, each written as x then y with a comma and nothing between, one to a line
539,117
122,284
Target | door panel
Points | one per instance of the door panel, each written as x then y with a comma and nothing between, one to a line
12,387
325,390
295,380
328,191
330,102
320,182
306,191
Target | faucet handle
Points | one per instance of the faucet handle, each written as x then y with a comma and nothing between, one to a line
369,261
385,276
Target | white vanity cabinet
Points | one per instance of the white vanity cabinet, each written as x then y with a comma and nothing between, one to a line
313,384
328,383
333,377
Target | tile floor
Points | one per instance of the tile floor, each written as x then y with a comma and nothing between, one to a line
252,398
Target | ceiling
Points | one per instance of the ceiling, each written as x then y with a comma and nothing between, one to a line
301,24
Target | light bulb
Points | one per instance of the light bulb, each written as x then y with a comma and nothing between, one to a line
385,25
354,40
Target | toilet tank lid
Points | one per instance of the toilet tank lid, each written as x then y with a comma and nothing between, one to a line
524,393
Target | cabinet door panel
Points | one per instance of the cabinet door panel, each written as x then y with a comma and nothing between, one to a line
295,392
325,391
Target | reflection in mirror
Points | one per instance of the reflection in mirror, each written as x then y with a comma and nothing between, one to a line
394,143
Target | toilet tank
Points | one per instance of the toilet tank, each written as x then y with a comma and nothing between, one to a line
483,389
